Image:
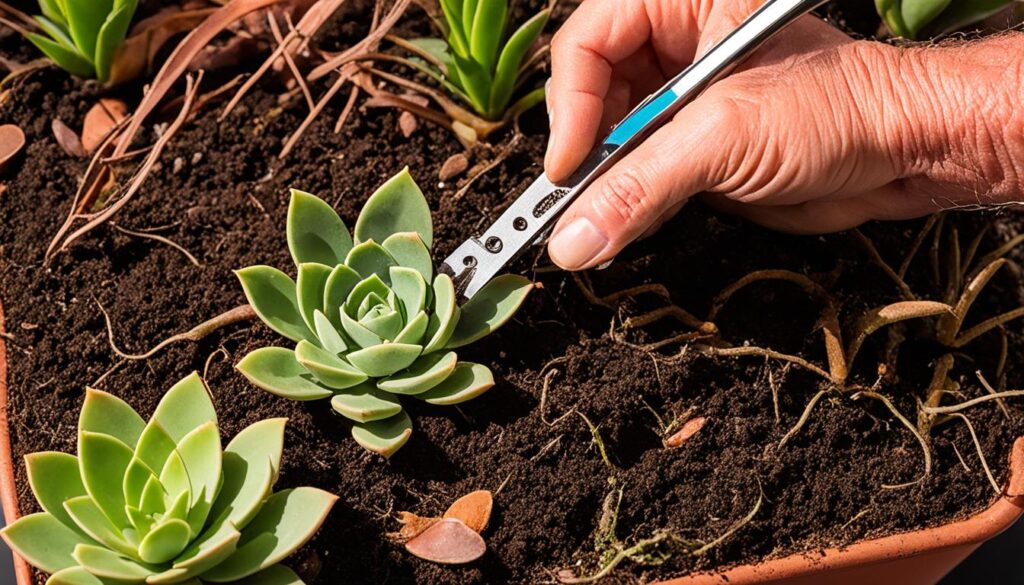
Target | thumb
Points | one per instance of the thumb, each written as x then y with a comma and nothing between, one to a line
689,155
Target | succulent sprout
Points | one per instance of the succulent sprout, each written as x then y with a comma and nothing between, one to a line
83,36
161,502
371,320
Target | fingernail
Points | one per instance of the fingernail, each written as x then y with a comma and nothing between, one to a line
547,100
577,244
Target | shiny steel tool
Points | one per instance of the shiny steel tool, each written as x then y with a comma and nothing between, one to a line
531,216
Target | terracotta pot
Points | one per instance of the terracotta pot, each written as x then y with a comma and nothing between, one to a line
915,558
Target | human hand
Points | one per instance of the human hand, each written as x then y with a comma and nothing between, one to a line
816,132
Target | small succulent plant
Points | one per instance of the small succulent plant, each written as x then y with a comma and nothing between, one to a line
161,502
371,320
82,36
476,64
908,18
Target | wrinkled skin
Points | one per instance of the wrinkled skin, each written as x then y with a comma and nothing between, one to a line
817,132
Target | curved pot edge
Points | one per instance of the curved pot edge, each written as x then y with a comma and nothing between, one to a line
943,547
8,491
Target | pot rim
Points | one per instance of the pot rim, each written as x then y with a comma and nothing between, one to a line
972,530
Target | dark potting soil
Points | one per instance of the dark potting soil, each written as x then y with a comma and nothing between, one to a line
221,193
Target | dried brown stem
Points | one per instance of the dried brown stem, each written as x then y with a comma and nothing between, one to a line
160,239
502,155
236,315
880,317
762,352
366,44
275,29
803,417
986,326
314,112
981,452
910,426
949,325
916,246
872,251
672,311
988,388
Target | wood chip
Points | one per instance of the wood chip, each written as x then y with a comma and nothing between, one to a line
67,139
12,140
100,120
691,428
449,542
474,509
453,167
407,123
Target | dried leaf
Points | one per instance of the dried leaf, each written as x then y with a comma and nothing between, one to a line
449,542
453,167
12,140
67,139
136,55
412,526
691,428
473,509
101,119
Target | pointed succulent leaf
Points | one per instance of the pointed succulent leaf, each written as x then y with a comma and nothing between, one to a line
141,522
384,437
339,286
91,520
85,19
329,369
488,32
57,32
411,289
110,37
385,359
386,323
370,258
371,285
185,407
177,487
165,541
71,61
102,460
153,497
54,477
276,370
468,381
204,553
446,314
54,10
135,480
107,414
409,251
272,295
365,403
425,373
315,232
475,80
310,287
414,329
43,541
490,308
285,522
200,451
330,339
108,564
362,336
76,576
251,462
371,301
469,8
507,71
452,10
154,446
397,206
272,575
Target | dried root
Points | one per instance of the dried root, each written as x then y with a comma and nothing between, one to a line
925,447
236,315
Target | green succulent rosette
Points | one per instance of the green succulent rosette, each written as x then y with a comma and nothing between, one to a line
160,502
83,36
371,320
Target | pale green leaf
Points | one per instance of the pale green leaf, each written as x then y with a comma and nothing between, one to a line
102,460
204,553
251,462
111,36
362,336
411,289
135,479
165,541
397,206
200,451
92,521
76,576
155,445
414,330
409,251
365,403
385,359
54,10
85,19
339,286
384,437
328,368
457,37
468,381
315,231
185,407
326,331
488,31
272,295
371,259
311,285
446,314
43,541
371,285
273,575
56,32
285,522
106,563
276,370
177,487
507,72
490,308
54,477
425,373
107,414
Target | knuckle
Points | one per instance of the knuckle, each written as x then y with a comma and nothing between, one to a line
626,196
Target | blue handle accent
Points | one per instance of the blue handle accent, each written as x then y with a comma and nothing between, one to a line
639,119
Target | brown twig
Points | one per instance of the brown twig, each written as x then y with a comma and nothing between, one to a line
160,239
236,315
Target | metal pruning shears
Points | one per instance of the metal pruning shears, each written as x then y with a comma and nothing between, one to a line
530,217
